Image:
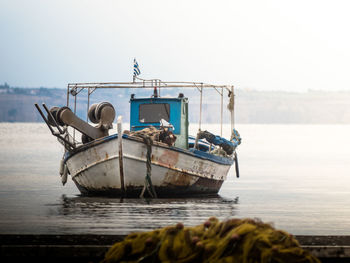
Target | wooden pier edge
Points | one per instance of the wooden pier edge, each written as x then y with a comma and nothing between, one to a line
92,248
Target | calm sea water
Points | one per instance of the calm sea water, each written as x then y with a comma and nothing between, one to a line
294,176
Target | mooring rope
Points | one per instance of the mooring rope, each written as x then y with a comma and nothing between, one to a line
148,181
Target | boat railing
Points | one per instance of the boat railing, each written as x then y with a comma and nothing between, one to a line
75,88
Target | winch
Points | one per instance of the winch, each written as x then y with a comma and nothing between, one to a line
102,114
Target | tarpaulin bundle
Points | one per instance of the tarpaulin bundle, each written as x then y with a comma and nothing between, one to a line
227,146
234,240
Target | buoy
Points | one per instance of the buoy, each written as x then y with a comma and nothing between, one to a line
61,166
236,165
64,175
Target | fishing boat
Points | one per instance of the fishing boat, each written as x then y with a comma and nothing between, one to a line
156,156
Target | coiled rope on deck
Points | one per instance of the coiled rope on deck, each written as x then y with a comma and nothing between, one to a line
233,240
148,181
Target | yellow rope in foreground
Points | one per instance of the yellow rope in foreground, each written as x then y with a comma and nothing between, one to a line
234,240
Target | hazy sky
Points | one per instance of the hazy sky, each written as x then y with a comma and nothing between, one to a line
265,45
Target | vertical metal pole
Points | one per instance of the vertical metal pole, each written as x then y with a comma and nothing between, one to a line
159,88
68,96
200,108
88,105
66,128
222,109
75,109
200,117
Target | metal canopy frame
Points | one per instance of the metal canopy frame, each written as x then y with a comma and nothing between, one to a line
75,88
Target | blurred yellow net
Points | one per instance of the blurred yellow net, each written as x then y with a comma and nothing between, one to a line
234,240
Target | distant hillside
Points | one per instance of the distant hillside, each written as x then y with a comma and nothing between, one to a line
251,106
17,104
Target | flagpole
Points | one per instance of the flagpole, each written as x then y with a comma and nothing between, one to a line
133,75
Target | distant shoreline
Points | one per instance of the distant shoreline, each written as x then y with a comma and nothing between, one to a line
251,106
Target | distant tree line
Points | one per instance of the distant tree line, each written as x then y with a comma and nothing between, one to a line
251,106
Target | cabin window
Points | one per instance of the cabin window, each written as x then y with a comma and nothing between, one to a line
154,112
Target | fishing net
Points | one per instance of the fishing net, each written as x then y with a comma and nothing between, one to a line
234,240
163,135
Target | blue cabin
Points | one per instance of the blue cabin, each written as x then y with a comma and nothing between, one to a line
145,112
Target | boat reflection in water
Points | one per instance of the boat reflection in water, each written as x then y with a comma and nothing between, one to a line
97,215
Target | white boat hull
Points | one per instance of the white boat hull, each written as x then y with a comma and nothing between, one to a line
95,168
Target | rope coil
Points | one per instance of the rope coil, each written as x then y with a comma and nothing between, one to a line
148,181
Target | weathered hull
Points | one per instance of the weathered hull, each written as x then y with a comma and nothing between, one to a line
97,169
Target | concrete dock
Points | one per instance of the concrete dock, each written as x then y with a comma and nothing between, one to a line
92,248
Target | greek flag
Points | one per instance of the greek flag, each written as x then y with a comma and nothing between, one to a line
136,68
